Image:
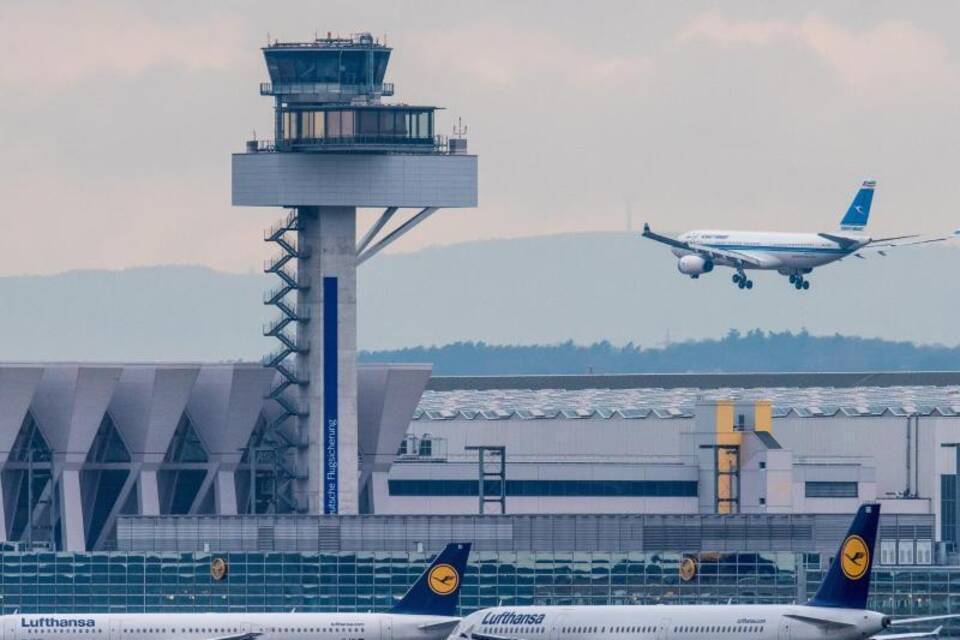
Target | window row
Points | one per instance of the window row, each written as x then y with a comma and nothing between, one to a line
822,489
397,125
547,488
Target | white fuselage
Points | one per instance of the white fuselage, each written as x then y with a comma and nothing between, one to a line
672,622
207,626
786,252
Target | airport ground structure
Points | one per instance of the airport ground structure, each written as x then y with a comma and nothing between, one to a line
626,489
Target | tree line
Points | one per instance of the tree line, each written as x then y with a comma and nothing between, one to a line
753,351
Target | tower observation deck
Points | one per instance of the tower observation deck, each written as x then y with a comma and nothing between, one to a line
337,147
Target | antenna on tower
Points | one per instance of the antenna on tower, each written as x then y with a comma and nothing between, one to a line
458,141
459,129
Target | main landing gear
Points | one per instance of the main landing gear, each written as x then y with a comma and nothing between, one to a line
742,281
799,282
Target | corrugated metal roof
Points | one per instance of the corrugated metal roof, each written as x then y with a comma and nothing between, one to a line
640,403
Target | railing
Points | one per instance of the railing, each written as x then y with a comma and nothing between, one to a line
319,88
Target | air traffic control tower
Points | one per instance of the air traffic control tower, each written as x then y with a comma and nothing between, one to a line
337,147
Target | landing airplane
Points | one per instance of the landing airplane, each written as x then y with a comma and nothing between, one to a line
428,611
837,612
791,254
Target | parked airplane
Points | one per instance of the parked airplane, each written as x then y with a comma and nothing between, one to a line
791,254
428,611
837,611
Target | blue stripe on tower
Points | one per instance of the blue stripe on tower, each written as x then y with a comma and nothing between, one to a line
331,418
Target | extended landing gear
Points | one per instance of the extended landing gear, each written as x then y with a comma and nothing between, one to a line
742,281
799,282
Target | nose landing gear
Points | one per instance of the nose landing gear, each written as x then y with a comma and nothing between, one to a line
740,279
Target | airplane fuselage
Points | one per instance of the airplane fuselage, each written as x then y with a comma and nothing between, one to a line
784,252
672,622
209,626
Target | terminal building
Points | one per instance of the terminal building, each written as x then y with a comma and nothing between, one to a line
310,482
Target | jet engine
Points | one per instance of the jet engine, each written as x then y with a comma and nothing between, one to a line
694,265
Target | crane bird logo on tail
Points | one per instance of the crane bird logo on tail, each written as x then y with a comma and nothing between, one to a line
854,557
443,579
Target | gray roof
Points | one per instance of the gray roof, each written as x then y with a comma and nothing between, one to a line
679,402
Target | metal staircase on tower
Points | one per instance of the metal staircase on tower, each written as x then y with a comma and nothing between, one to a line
280,432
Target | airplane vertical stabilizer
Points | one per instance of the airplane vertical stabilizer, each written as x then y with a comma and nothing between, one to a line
437,591
859,212
847,583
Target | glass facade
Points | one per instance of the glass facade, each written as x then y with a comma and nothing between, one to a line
48,582
344,66
135,582
948,509
378,126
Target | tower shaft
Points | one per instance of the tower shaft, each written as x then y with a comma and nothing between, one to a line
328,237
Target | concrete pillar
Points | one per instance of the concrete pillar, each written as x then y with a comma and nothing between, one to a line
225,491
331,458
71,519
149,494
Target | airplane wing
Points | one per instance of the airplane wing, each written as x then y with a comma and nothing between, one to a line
908,636
891,242
892,238
724,254
879,245
707,252
673,242
902,621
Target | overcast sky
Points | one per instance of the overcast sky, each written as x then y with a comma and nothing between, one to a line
117,118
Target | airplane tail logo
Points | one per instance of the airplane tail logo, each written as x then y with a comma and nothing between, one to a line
859,212
443,579
847,583
854,557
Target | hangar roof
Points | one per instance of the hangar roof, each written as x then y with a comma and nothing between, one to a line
679,402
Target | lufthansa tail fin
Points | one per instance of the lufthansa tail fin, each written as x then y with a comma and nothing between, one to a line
847,583
437,591
859,212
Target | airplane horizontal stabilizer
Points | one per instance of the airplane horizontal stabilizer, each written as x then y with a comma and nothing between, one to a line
440,625
843,241
488,636
824,623
249,635
908,636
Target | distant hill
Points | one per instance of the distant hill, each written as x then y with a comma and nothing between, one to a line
542,290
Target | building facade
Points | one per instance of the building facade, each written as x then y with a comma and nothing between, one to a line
83,444
613,490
